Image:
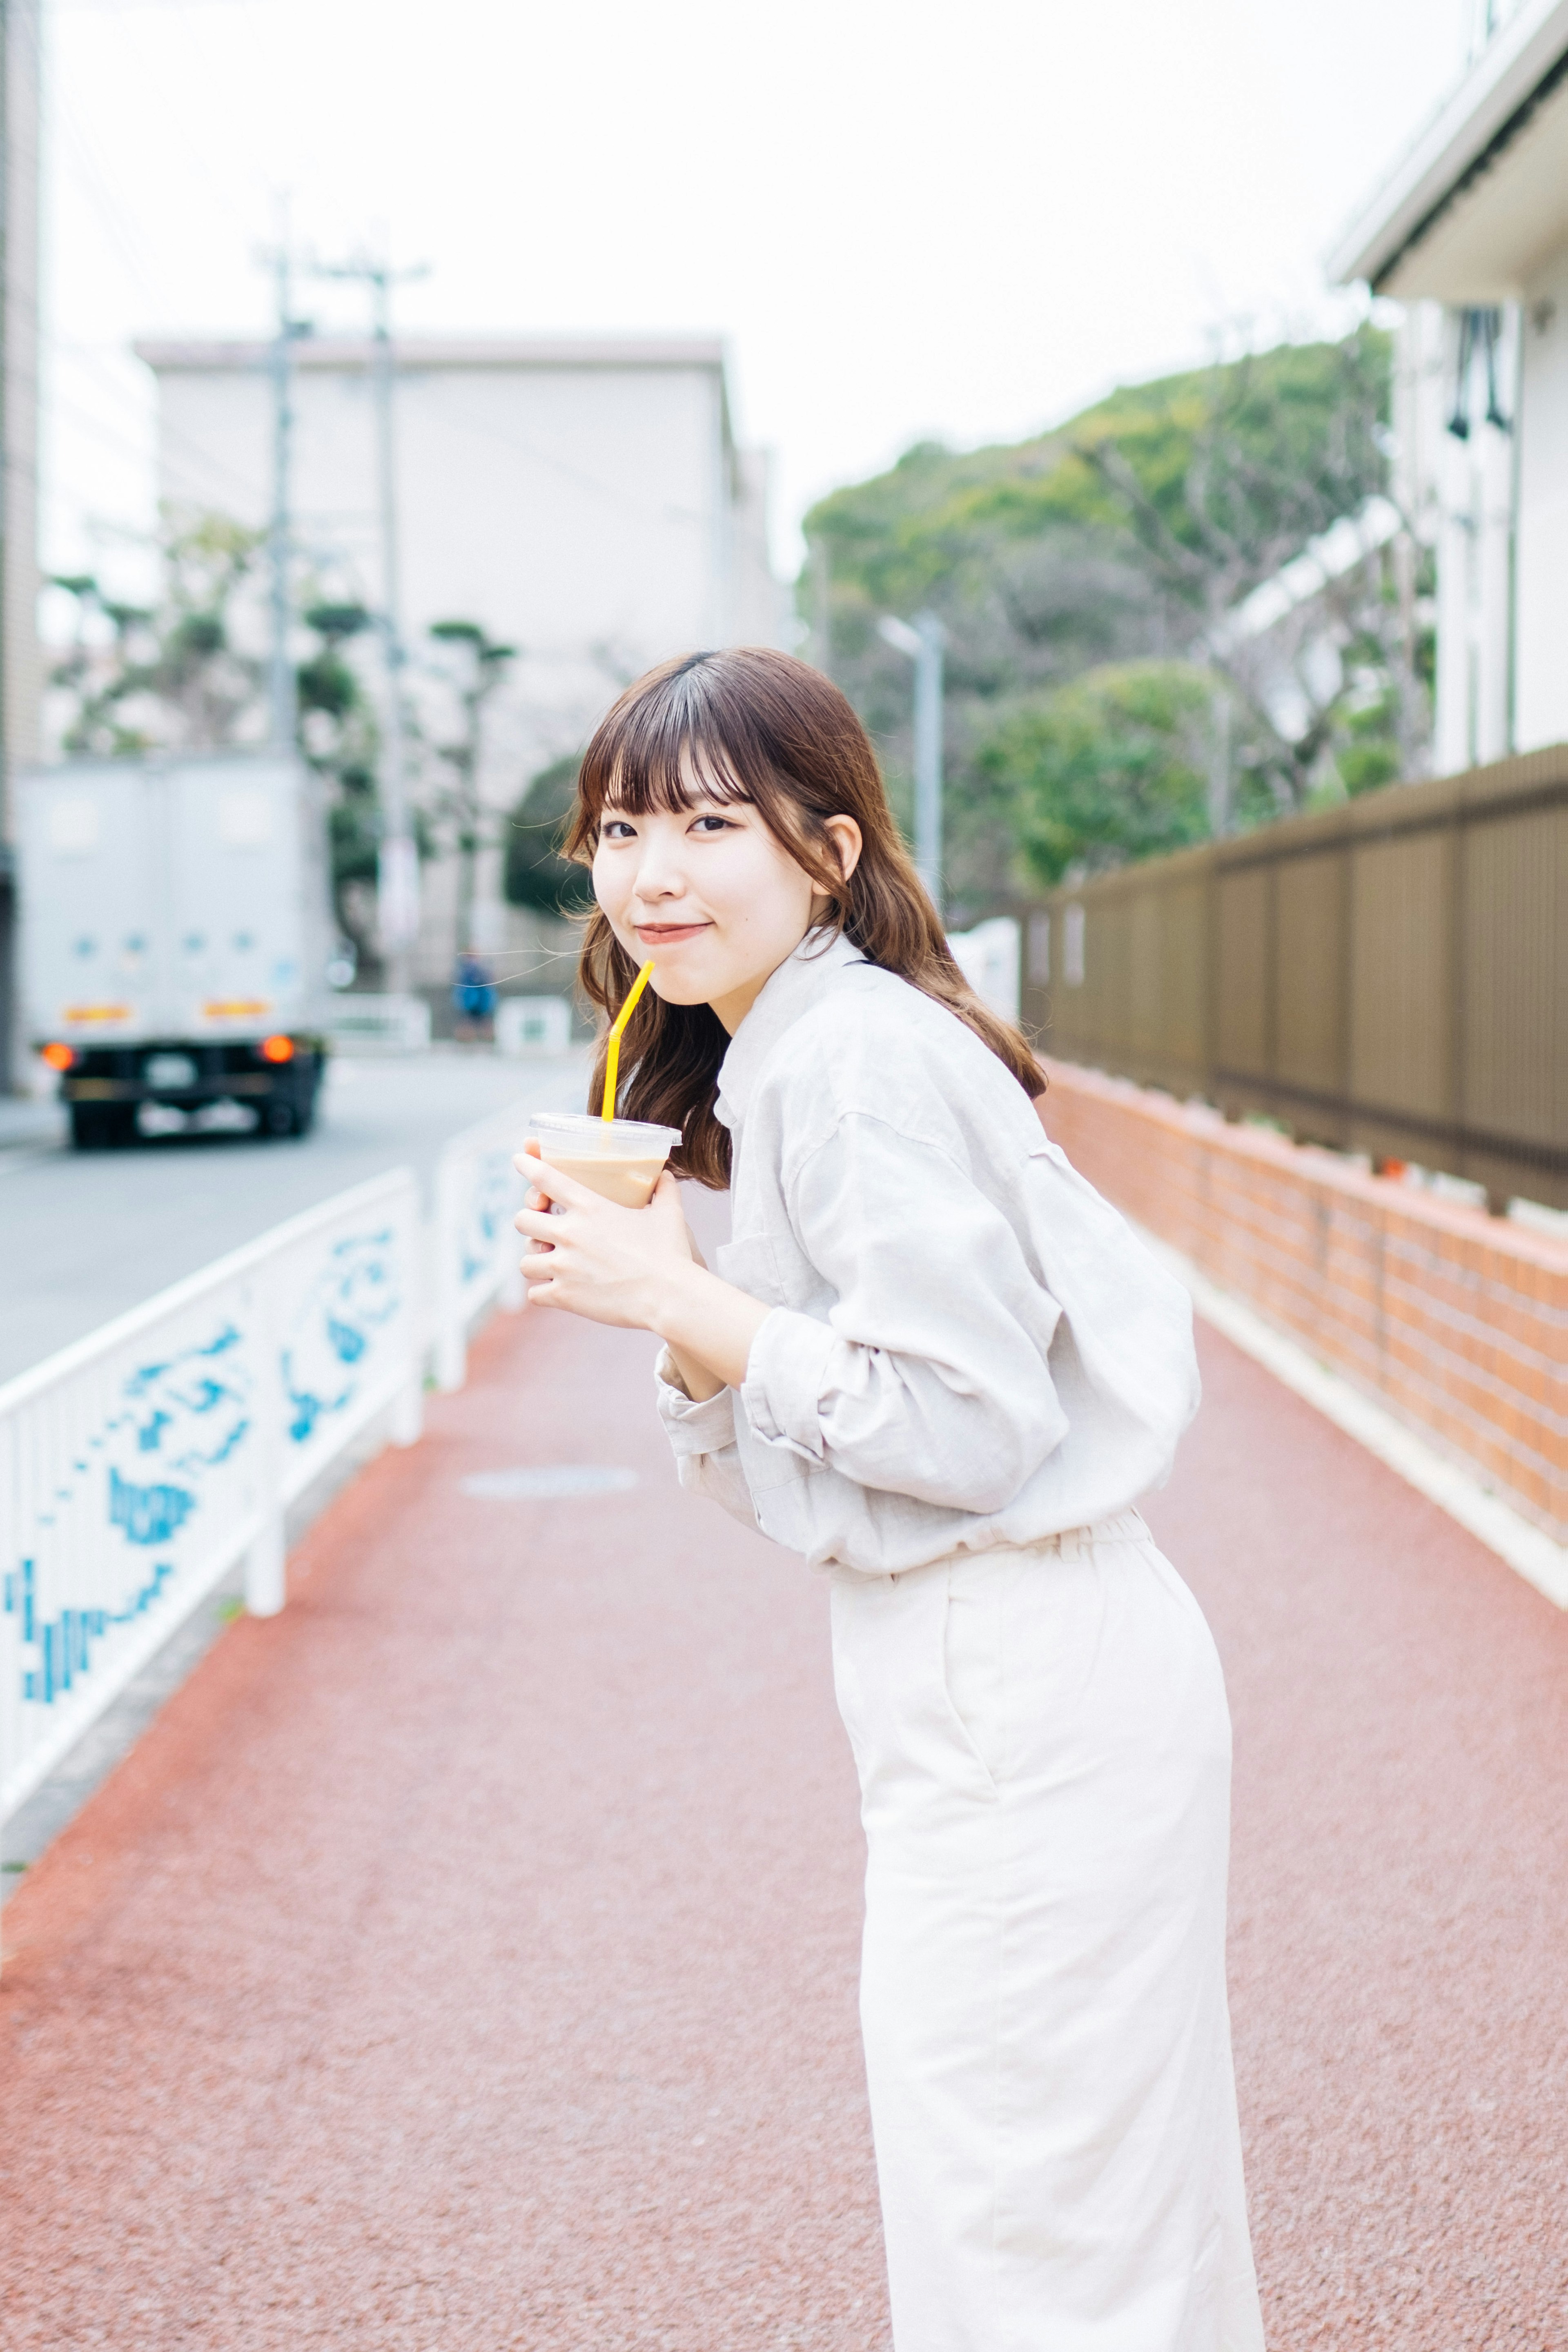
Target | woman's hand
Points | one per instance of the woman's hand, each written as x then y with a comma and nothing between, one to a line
595,1258
637,1267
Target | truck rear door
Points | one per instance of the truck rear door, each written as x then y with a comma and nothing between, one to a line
234,858
93,905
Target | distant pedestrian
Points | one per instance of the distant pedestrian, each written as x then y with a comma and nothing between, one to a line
934,1362
473,996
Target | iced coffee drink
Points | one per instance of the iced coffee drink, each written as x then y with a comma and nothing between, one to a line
623,1159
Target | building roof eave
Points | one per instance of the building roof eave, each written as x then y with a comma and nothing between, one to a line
207,356
1521,70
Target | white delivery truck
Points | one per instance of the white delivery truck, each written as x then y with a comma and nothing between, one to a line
176,927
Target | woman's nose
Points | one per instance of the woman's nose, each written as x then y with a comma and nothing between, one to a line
658,873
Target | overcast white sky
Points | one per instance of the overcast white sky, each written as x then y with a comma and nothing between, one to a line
958,221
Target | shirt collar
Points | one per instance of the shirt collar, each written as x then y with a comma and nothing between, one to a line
786,996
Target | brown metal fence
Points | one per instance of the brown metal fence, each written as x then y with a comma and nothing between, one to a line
1390,976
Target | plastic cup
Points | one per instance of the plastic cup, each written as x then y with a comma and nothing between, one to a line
623,1159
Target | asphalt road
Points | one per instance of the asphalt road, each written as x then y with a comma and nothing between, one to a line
84,1235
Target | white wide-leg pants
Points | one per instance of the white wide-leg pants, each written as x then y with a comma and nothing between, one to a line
1043,1751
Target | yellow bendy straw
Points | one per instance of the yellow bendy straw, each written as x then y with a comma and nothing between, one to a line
613,1050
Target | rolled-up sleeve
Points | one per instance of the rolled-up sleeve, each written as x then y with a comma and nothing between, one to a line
929,1376
702,1439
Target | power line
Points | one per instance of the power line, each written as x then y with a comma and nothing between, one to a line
258,162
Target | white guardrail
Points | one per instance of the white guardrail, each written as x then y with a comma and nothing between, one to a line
475,1251
139,1466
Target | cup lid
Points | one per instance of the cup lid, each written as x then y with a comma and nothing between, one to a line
588,1133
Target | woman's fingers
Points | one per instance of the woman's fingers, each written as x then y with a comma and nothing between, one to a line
539,1225
551,1183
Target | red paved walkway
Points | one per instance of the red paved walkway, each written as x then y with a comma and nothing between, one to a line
465,1960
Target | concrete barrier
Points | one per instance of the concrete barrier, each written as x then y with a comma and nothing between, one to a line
378,1024
534,1024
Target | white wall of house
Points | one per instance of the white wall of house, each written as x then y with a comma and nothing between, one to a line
1459,496
1475,215
1543,583
583,502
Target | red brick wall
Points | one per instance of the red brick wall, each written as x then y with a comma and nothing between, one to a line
1456,1321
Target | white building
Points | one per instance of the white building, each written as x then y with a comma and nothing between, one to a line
1469,231
20,668
583,501
1286,642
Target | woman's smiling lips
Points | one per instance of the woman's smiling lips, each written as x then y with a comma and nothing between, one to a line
668,935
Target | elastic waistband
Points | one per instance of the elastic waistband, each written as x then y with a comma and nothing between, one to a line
1072,1543
1068,1543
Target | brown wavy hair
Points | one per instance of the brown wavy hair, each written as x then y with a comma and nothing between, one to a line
747,724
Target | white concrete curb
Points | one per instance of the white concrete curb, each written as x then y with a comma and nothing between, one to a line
1527,1549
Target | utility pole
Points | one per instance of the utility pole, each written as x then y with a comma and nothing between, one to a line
282,697
921,642
397,859
1219,779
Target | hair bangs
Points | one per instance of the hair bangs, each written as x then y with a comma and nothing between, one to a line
675,778
661,752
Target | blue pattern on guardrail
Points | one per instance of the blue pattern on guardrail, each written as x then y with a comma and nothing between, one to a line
355,1295
65,1642
178,1420
490,1212
186,1414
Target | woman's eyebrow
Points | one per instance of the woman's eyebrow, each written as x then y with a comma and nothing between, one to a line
706,799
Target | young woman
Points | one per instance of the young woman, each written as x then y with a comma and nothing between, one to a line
934,1362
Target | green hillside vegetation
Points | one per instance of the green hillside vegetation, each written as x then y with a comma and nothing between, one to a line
1118,755
1078,576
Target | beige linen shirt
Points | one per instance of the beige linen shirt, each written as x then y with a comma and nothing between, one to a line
968,1348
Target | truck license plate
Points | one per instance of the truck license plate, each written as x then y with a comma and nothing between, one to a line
169,1070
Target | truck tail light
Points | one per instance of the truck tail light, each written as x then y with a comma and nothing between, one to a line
278,1049
60,1057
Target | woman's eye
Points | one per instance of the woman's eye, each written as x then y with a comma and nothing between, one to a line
717,823
616,828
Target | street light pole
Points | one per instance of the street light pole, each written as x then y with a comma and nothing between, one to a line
921,642
397,857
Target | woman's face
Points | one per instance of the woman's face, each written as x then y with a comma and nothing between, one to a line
710,896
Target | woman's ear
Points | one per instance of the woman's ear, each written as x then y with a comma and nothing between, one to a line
848,843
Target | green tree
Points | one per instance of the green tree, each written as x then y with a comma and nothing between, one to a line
91,675
341,739
169,677
536,874
1113,766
